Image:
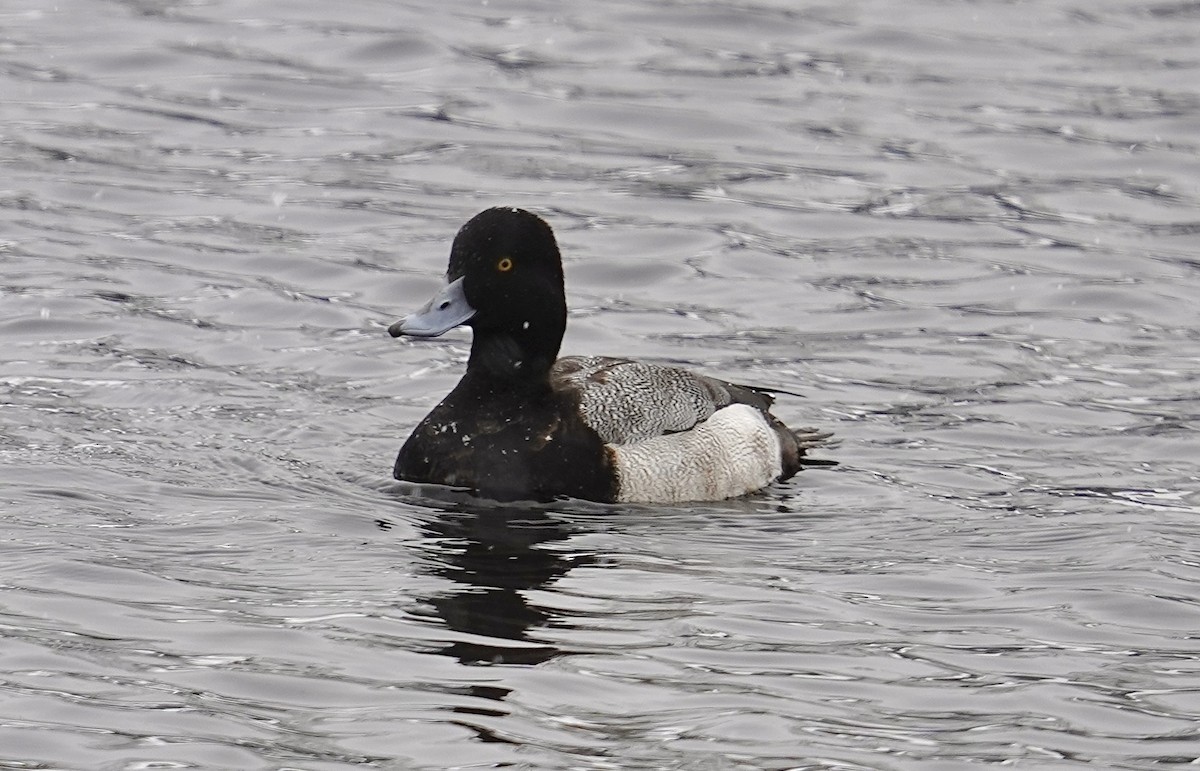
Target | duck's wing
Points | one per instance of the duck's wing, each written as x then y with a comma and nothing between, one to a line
677,436
628,401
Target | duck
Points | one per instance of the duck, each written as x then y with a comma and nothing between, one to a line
524,424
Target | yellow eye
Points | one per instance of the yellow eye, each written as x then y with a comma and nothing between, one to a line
505,264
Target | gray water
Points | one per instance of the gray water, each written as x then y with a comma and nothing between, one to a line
968,233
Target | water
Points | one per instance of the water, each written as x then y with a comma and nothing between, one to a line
966,232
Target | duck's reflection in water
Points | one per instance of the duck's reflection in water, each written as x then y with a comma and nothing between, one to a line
494,554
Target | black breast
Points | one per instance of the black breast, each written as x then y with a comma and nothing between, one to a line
509,446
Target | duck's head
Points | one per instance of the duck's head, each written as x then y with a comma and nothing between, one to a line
505,281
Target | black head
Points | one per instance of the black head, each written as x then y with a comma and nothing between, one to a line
511,270
505,281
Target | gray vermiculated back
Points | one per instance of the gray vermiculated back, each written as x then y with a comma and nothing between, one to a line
627,401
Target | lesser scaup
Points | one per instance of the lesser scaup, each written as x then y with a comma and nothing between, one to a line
523,424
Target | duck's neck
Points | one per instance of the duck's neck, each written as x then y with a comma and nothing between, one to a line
513,359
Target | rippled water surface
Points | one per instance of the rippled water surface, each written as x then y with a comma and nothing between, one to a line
968,233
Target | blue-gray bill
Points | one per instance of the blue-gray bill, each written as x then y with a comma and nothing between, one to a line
445,311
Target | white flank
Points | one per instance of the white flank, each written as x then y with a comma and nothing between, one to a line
732,453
